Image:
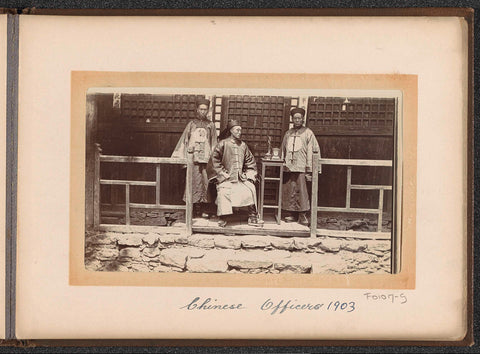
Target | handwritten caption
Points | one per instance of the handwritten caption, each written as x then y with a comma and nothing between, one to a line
273,307
280,306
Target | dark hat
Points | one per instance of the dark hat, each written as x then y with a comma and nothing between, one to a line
232,123
203,101
297,110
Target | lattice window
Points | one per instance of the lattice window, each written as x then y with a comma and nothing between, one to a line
139,109
260,117
361,116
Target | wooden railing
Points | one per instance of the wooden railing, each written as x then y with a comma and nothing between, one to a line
157,161
188,206
349,163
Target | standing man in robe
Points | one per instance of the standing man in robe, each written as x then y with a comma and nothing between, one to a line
298,146
233,166
201,137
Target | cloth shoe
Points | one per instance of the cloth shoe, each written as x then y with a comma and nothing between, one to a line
303,219
254,221
290,219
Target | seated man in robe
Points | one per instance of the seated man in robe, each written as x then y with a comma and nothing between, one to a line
233,167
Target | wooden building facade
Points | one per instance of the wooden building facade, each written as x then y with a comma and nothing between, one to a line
151,124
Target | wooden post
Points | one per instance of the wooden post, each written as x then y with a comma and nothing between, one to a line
280,186
262,191
90,139
380,211
188,192
127,204
349,186
314,206
96,188
157,184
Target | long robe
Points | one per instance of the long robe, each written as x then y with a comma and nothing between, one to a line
200,136
297,150
232,165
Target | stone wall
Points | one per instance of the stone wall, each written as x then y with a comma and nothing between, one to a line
174,252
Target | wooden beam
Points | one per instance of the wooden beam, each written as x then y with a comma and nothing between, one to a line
157,206
366,235
349,210
130,183
142,229
370,187
250,231
246,231
352,162
142,159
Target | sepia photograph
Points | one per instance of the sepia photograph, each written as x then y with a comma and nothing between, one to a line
244,180
296,187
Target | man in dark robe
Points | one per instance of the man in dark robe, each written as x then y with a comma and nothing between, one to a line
233,167
201,137
298,146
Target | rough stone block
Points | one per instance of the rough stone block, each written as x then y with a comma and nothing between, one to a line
255,241
150,239
93,264
195,253
112,266
162,269
363,257
105,254
181,239
205,265
330,245
167,239
246,264
100,239
227,242
139,267
151,252
319,268
354,246
293,267
380,246
131,240
130,253
173,257
374,252
313,242
202,241
299,244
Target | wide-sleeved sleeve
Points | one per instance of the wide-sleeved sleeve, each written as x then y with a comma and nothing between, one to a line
312,145
249,164
180,150
215,168
213,136
284,145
